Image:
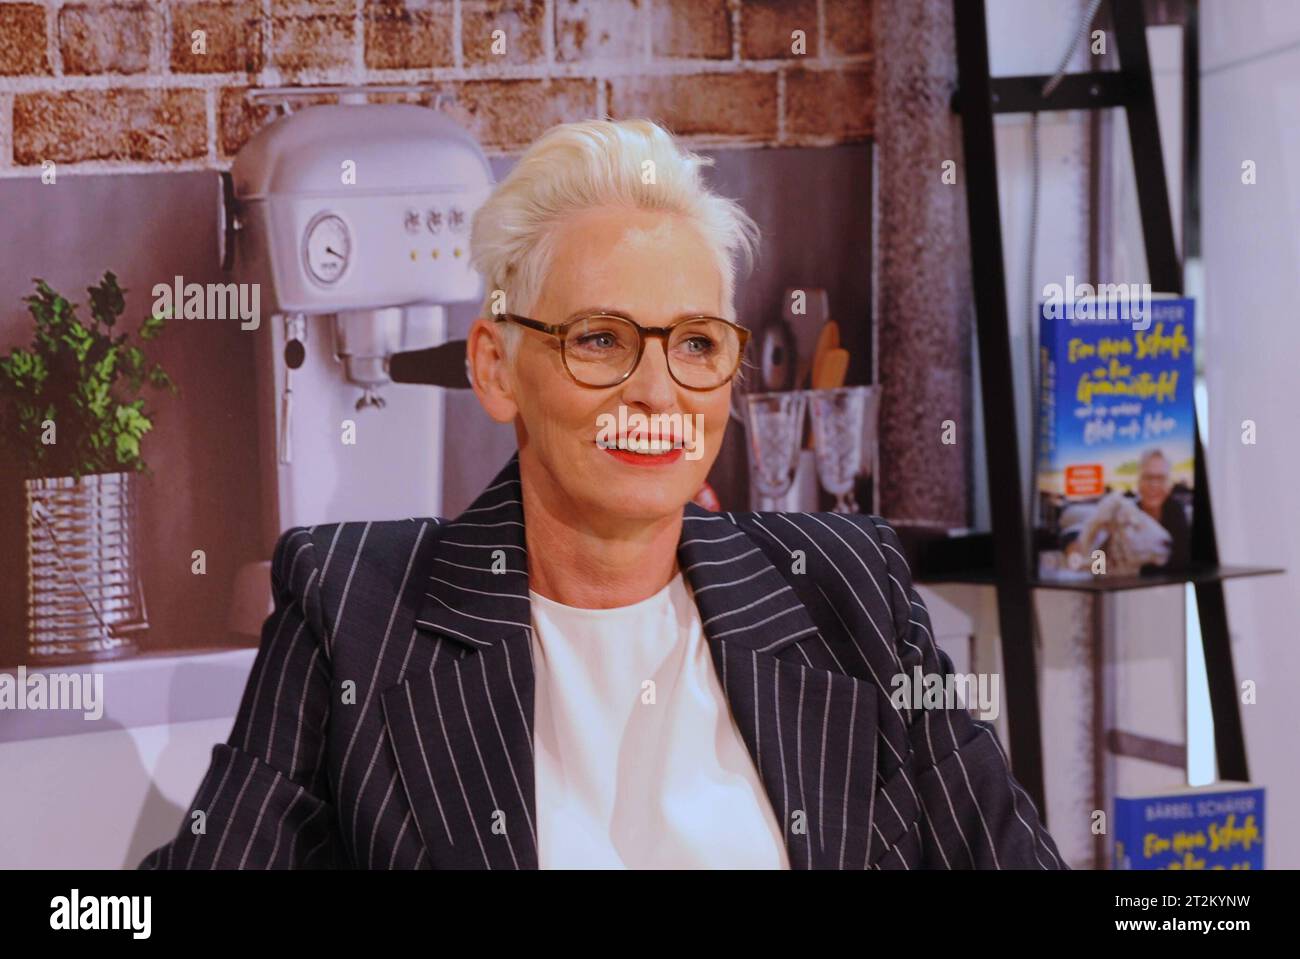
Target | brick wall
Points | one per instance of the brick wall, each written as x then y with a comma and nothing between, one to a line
111,85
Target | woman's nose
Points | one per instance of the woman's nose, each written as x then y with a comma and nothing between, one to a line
651,383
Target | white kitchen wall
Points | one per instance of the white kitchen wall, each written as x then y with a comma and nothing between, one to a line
1250,99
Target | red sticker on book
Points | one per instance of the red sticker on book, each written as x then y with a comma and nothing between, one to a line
1083,480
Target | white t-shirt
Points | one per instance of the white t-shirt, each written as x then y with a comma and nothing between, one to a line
630,775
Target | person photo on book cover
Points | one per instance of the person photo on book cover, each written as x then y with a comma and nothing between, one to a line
1156,498
586,668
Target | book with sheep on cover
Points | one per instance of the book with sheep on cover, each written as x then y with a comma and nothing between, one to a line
1115,438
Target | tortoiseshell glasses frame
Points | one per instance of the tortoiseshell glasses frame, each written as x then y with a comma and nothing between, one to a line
561,331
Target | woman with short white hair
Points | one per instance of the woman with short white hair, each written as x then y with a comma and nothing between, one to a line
585,668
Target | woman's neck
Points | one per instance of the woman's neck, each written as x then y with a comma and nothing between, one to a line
588,566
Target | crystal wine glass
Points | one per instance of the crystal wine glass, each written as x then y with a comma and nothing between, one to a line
775,427
837,419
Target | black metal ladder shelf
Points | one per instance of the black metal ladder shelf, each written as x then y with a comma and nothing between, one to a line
979,97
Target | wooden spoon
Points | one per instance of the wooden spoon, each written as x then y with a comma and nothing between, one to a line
831,369
827,340
829,373
835,366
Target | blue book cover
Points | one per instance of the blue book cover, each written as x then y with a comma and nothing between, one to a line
1115,438
1211,827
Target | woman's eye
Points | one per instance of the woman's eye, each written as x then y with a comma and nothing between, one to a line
600,341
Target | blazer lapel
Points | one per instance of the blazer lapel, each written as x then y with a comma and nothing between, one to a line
462,730
810,728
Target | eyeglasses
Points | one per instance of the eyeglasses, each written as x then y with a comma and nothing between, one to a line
601,349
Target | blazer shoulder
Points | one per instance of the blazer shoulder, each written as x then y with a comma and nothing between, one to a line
845,554
862,533
311,562
367,540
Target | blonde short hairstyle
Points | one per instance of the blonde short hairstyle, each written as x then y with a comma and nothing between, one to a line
592,163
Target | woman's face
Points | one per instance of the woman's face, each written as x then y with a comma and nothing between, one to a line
1153,482
652,267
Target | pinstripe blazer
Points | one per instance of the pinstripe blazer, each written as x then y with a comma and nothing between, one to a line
387,722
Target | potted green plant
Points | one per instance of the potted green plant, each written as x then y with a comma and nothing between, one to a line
72,425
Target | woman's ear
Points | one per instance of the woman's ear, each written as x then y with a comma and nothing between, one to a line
489,370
